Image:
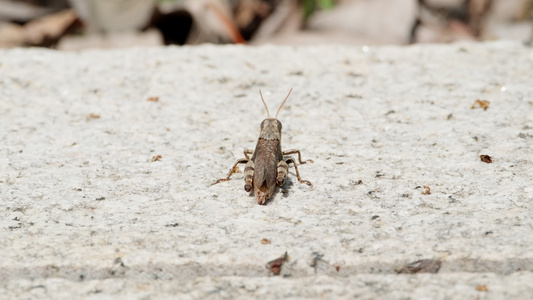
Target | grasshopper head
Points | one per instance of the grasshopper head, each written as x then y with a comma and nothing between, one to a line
271,129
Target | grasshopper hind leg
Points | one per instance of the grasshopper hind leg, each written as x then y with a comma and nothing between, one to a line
282,172
249,175
294,151
248,152
293,161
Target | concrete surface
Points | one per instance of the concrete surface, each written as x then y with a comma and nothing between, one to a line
86,213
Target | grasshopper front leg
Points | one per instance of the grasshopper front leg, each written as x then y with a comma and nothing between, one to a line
294,151
248,152
234,169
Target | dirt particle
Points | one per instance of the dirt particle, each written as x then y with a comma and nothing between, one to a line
426,191
92,117
481,103
485,158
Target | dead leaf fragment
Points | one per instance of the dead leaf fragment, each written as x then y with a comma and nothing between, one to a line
275,265
482,288
265,241
93,116
420,266
156,157
482,104
249,65
226,22
153,99
485,158
426,191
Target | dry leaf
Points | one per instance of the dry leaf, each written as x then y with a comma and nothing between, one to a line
275,265
482,104
156,157
153,99
265,241
482,288
226,21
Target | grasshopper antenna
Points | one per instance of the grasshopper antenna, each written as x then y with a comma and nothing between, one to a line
283,103
268,114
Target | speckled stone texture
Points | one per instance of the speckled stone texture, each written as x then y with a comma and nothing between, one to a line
88,211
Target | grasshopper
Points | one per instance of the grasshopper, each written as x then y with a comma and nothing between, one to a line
268,166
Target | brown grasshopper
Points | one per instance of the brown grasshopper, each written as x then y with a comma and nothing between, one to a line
267,167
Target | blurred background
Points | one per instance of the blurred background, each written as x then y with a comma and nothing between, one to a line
80,24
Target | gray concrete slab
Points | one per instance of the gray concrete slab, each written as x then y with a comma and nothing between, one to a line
86,213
